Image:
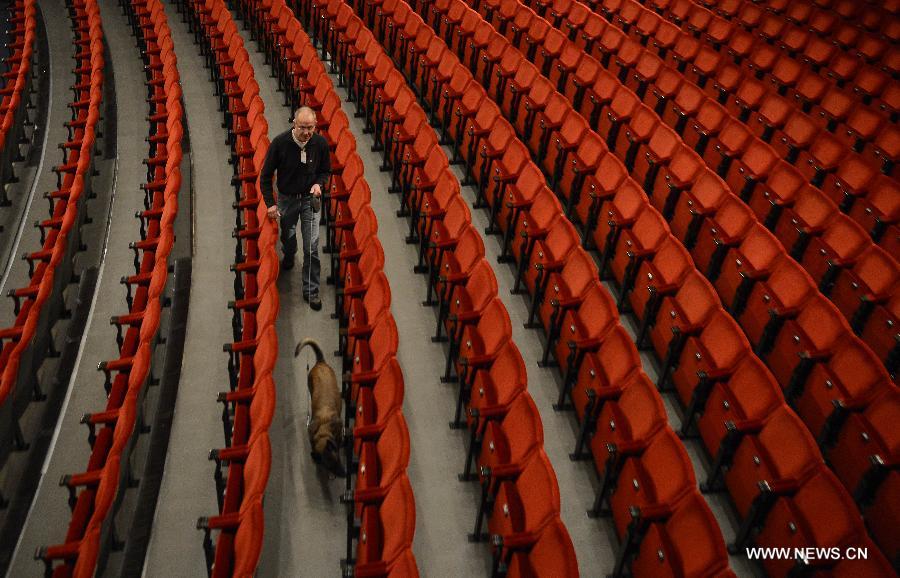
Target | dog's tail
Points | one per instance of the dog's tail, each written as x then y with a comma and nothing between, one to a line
320,357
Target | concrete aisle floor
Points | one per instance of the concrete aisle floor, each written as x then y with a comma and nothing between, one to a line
188,490
305,523
50,515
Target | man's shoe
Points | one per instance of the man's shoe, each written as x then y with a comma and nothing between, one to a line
314,302
287,264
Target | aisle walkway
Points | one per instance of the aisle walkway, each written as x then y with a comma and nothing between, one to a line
305,523
187,491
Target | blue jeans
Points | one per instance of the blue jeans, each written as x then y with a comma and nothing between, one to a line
300,208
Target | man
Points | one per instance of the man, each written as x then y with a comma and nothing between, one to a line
300,159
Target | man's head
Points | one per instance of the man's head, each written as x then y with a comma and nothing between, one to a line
304,123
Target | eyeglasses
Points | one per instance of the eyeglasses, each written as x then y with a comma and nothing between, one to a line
305,126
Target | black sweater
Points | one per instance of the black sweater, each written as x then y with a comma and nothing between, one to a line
294,178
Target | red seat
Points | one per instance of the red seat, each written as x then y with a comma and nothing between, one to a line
657,277
881,333
375,405
523,507
776,449
746,264
494,392
864,448
753,167
463,296
382,461
361,312
838,247
626,423
371,358
657,476
638,131
678,316
564,290
386,529
637,243
596,190
824,156
582,163
552,554
480,345
869,283
603,375
777,192
749,394
773,301
663,144
847,382
583,331
543,254
505,170
519,196
616,214
810,338
359,262
694,205
507,445
531,226
685,537
707,358
726,228
879,209
814,513
559,144
533,103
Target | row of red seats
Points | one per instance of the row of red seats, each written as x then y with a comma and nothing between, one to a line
785,199
857,292
825,42
15,88
520,496
562,307
672,173
796,211
243,464
18,77
747,153
380,506
850,115
634,253
94,492
669,165
744,66
50,266
876,18
645,241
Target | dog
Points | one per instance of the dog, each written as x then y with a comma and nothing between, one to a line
325,425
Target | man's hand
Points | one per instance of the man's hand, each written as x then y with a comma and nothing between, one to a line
316,190
273,212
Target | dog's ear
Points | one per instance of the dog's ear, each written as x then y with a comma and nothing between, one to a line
316,458
337,429
332,459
